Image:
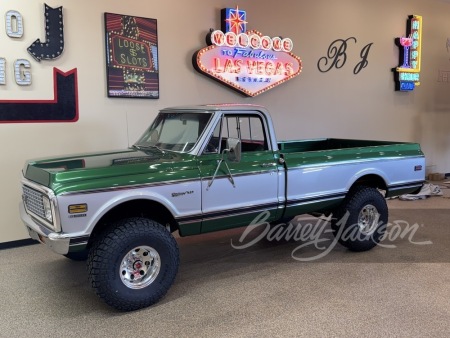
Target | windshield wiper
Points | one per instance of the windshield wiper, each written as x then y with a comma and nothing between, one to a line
141,147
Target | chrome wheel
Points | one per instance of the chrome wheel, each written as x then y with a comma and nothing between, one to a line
368,219
140,267
133,263
364,218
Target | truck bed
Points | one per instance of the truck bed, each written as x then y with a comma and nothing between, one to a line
331,166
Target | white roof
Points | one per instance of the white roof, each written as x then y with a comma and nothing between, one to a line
219,107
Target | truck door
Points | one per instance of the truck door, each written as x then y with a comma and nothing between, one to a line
236,193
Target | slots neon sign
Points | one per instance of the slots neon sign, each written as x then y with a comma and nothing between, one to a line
246,61
407,75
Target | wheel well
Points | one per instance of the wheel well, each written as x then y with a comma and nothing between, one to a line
372,180
135,208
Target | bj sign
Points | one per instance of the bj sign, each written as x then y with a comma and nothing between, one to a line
246,61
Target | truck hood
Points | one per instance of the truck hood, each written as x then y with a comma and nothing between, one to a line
109,169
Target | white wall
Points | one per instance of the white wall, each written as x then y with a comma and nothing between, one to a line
337,103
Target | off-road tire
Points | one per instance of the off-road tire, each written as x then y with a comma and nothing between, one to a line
114,248
361,204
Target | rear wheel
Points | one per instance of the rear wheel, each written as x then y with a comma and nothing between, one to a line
360,222
133,265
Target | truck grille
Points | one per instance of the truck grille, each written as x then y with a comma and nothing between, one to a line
33,202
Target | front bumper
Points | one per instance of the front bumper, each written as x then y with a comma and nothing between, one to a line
57,242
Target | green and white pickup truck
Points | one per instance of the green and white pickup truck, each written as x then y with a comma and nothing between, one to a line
199,169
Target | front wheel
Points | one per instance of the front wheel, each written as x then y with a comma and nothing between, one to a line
360,223
133,264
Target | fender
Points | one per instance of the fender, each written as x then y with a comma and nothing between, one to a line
103,202
366,172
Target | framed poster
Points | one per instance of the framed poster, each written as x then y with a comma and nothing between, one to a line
131,56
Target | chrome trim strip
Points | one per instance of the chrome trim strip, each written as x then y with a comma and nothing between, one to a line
248,210
261,172
319,198
158,184
196,220
212,218
315,201
350,162
226,213
126,187
406,185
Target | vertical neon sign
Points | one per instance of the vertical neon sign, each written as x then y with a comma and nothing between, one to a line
407,75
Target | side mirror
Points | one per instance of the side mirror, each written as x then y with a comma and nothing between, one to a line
233,149
233,152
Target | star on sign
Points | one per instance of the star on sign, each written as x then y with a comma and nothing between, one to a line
236,21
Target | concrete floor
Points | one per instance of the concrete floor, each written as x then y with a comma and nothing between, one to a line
261,291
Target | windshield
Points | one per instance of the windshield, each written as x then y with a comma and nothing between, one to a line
175,131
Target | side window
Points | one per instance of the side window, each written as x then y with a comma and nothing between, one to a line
252,131
248,128
213,146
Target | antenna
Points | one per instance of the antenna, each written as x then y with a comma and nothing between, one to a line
128,132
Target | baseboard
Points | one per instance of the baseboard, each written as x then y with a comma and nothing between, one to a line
16,244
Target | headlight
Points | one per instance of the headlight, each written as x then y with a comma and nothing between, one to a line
47,209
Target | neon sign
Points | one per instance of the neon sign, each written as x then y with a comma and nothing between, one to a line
246,61
131,56
407,75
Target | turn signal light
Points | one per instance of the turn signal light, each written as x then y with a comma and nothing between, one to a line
78,208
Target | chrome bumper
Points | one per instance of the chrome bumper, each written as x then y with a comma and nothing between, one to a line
57,242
